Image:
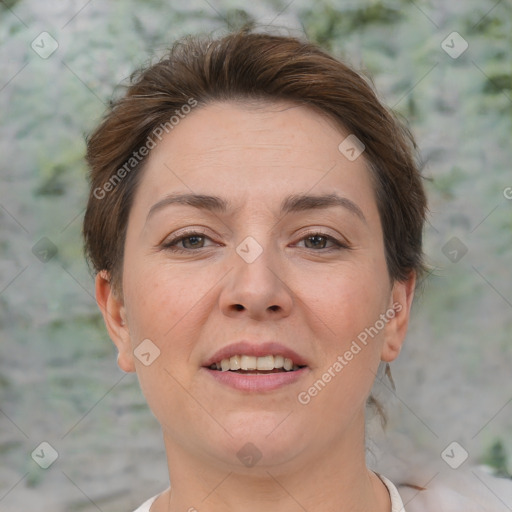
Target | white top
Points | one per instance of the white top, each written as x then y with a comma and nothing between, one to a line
147,505
396,501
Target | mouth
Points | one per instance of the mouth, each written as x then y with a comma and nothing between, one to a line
253,365
256,367
256,374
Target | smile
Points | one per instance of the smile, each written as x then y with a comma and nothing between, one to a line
256,365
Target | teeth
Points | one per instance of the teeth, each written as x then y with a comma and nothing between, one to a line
278,361
265,363
235,363
243,362
248,363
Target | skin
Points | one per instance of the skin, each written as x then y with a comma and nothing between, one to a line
307,296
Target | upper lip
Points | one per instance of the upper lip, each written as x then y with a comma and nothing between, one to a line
259,349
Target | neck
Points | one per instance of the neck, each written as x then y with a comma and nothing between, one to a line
333,480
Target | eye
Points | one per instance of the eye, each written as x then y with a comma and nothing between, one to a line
196,239
191,240
318,240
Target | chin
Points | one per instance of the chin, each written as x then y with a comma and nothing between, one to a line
261,439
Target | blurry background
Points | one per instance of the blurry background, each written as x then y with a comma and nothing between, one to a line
59,382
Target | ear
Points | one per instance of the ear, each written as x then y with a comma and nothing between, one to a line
113,311
401,298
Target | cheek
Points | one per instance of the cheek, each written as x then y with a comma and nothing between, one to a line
165,306
345,314
165,302
346,300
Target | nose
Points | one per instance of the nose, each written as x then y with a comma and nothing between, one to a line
256,288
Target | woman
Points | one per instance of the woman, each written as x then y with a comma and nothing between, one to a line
255,221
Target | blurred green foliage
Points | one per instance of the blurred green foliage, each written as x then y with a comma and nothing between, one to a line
496,458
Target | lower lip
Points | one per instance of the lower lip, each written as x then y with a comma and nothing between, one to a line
256,382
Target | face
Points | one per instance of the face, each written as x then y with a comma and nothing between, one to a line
274,272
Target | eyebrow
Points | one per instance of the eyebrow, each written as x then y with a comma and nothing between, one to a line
291,204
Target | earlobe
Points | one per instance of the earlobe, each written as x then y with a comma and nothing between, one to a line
114,316
400,302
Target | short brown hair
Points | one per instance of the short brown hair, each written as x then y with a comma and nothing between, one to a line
245,65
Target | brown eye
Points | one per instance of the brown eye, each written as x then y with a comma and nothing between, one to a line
317,242
189,241
193,241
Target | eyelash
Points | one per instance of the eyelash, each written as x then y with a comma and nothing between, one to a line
170,245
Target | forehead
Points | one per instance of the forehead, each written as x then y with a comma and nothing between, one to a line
254,152
240,131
